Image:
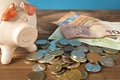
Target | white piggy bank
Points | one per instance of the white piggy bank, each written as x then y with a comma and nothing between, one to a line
17,27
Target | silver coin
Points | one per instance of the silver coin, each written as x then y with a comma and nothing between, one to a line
82,48
53,46
34,56
81,60
63,42
107,61
92,67
41,42
46,59
78,54
36,75
39,67
74,42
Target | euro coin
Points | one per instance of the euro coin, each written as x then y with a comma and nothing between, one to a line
95,49
74,74
54,68
38,75
107,61
82,48
110,51
74,42
78,54
39,67
92,67
93,57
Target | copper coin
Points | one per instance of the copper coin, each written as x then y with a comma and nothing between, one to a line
93,57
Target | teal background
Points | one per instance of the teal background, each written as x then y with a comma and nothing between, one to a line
76,4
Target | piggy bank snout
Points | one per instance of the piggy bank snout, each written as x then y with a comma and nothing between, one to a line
25,35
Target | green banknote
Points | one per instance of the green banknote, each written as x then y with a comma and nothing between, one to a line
109,42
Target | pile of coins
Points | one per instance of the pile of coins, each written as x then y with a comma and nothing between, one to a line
69,59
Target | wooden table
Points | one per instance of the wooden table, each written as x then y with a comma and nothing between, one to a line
18,69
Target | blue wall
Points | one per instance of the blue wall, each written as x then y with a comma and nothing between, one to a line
76,4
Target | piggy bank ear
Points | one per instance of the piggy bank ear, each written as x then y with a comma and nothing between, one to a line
10,13
28,8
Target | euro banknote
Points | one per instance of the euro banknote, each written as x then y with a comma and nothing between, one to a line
109,42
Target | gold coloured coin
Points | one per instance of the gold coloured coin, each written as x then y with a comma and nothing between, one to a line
62,78
74,74
74,65
55,68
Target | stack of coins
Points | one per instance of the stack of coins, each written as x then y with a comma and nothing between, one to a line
69,59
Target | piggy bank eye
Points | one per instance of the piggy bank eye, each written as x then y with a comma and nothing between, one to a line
28,8
10,13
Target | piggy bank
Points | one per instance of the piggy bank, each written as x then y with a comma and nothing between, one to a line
17,27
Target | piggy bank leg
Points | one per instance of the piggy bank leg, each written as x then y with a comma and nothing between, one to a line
31,48
7,53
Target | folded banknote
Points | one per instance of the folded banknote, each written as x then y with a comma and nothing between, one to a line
96,30
103,33
109,42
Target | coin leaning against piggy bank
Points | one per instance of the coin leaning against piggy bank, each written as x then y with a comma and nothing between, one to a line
17,27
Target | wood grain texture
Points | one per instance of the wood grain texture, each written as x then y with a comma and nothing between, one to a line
18,69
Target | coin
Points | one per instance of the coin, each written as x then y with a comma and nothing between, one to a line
102,54
62,78
68,48
107,61
63,42
54,68
93,57
96,77
53,46
57,52
82,48
57,58
46,59
81,60
92,67
84,74
78,54
114,57
74,74
34,56
67,60
41,42
66,55
29,62
38,75
95,49
45,46
74,42
110,51
73,65
60,72
39,67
